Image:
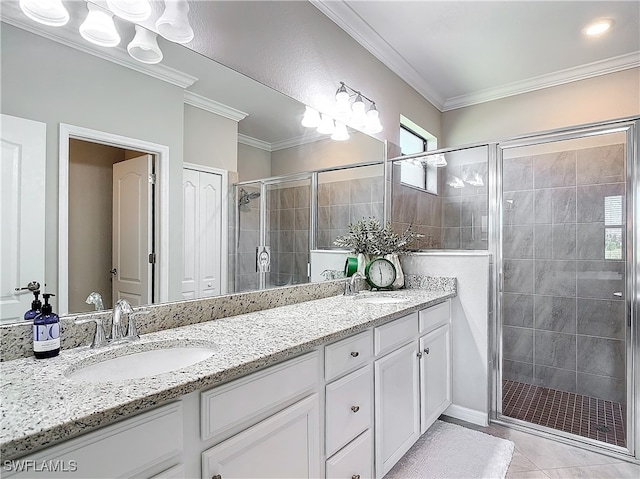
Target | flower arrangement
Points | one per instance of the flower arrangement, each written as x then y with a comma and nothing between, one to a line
369,237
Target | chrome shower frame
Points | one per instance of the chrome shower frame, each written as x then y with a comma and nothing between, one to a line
631,128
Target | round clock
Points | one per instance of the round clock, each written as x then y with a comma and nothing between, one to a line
380,273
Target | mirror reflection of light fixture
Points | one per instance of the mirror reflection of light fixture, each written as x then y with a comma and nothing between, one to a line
173,24
455,182
311,118
47,12
132,10
340,132
476,180
144,46
372,124
436,160
98,28
326,126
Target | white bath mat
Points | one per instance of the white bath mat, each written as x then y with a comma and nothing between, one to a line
454,452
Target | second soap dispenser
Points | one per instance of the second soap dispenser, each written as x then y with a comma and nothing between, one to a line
46,331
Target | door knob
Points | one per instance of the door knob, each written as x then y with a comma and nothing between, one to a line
114,271
32,286
426,351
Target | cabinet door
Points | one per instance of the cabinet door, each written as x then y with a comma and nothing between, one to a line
397,416
285,445
435,375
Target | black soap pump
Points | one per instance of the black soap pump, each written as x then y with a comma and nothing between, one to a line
36,307
46,331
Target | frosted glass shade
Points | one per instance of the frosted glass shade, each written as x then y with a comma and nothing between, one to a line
132,10
311,118
173,24
326,125
340,133
47,12
144,46
98,28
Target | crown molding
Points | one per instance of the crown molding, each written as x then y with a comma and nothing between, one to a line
114,55
213,106
582,72
254,142
348,20
298,141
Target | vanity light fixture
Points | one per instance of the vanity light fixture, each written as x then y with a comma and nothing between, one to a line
98,28
436,160
598,27
476,180
311,118
144,46
455,182
47,12
132,10
173,24
326,126
356,114
340,132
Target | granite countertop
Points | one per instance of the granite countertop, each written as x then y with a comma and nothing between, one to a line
40,406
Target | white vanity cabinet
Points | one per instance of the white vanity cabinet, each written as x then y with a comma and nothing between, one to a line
412,381
140,446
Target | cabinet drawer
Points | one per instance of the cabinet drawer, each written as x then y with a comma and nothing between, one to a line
349,405
396,333
354,461
347,355
434,316
245,400
125,449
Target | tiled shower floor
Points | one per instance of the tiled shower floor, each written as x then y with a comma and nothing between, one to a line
582,415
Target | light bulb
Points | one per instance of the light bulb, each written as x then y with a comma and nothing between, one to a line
47,12
131,10
144,46
358,105
311,118
174,22
326,125
340,133
99,28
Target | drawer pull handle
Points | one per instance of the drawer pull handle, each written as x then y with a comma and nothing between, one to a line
217,476
355,476
355,354
355,408
426,351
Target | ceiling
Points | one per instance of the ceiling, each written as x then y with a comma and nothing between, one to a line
460,53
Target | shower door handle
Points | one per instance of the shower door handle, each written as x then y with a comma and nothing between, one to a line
618,294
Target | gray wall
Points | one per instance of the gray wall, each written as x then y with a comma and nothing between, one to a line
563,328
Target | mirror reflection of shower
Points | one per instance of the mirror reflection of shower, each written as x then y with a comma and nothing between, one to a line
245,197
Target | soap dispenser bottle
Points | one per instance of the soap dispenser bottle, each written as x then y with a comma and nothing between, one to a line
36,307
46,331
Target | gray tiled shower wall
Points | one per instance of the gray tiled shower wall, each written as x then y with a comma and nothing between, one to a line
563,326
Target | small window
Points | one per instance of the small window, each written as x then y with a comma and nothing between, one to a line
416,173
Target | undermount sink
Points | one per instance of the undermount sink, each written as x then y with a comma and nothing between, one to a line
379,299
142,364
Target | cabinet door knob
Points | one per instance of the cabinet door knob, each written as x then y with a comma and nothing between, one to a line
426,351
217,476
355,476
355,354
355,408
419,354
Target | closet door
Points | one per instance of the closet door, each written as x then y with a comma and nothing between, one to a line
202,232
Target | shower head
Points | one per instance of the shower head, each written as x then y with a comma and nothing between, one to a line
245,197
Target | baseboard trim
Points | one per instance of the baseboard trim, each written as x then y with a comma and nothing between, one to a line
465,414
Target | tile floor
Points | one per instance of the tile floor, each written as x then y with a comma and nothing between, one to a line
583,415
540,458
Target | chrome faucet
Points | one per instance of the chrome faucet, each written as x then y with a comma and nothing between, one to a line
351,287
121,306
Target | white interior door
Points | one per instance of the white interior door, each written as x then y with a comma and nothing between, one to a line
22,234
202,234
132,230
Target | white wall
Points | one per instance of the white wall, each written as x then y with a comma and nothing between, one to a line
470,335
606,97
209,139
293,47
253,163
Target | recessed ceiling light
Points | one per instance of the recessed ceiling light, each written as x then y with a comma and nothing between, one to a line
598,27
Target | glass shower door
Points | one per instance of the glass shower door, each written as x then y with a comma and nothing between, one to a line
566,342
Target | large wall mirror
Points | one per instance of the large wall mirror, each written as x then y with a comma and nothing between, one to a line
119,137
